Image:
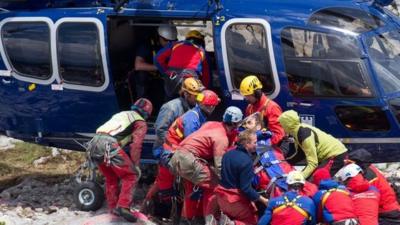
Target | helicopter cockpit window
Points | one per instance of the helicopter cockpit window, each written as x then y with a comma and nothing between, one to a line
79,55
384,52
321,64
363,118
247,52
27,46
353,20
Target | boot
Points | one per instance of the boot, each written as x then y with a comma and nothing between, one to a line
225,220
126,214
210,220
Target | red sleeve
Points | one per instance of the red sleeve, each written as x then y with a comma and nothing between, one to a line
138,134
162,58
272,113
220,146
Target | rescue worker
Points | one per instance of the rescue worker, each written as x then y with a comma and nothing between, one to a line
171,110
198,158
182,127
235,195
365,196
144,57
318,147
389,209
117,166
291,208
333,201
251,89
183,59
271,167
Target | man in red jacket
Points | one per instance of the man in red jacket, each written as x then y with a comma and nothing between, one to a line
121,171
251,89
186,57
198,158
389,209
365,196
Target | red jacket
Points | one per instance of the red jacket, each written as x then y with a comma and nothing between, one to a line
184,55
365,200
210,142
139,132
175,135
388,200
270,111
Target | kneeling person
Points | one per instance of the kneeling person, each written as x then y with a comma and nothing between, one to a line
235,195
291,208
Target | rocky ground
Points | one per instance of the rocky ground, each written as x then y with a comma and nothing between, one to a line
32,198
41,193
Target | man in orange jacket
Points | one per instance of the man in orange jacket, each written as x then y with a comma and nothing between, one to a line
251,89
198,158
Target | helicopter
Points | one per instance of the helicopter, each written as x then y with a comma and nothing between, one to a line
66,65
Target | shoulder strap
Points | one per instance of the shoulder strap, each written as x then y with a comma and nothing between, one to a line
292,204
329,192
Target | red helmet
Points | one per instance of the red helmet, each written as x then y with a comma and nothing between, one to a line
208,98
143,106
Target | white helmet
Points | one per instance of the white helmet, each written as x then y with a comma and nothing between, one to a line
348,171
294,177
232,115
168,32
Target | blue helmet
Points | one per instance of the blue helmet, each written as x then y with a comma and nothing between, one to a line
232,115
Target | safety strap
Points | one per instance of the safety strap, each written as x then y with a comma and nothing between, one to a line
329,192
292,204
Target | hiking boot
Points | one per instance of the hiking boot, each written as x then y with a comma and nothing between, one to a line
210,220
125,213
225,220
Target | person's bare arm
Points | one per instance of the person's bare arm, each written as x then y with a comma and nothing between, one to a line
142,65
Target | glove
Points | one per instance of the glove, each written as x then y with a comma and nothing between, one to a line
157,152
263,135
165,157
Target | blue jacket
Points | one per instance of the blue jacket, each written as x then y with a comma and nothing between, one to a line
303,202
167,115
237,172
192,120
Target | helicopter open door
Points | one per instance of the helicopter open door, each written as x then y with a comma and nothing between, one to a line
53,72
246,48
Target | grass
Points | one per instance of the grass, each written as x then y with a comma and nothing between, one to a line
18,162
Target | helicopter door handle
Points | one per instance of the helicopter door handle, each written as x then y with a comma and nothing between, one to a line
6,81
304,104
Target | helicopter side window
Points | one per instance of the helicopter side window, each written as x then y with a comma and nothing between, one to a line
363,118
384,52
27,46
348,19
247,52
325,65
79,55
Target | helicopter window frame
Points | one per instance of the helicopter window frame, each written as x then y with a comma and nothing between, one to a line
102,54
7,62
235,95
346,19
324,55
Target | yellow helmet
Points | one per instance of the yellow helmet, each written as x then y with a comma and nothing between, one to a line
249,84
192,85
194,34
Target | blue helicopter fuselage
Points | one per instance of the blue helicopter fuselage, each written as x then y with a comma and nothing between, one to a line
58,76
